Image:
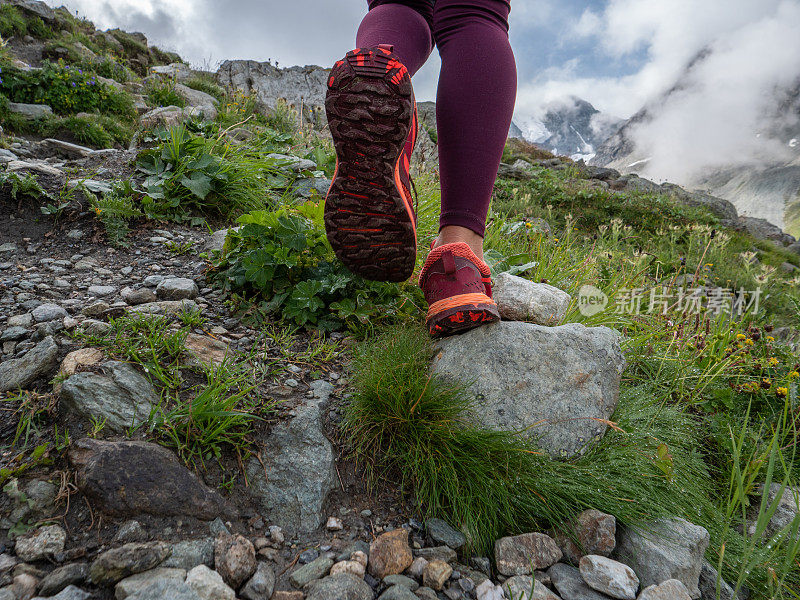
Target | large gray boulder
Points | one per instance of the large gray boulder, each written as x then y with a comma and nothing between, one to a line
297,86
297,473
561,384
342,586
666,549
39,361
30,111
121,396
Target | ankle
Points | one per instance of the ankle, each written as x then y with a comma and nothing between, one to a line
452,234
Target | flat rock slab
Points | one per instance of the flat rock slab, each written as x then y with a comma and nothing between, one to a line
297,473
561,382
668,549
38,362
129,478
121,396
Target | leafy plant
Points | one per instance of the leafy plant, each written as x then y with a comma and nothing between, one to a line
67,90
282,258
189,173
22,185
115,209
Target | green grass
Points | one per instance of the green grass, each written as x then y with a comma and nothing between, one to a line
11,21
207,84
97,131
162,93
406,425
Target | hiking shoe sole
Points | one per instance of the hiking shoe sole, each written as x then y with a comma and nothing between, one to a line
461,313
368,216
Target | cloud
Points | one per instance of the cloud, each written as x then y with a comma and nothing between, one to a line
725,112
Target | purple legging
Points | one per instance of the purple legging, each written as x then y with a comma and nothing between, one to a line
476,94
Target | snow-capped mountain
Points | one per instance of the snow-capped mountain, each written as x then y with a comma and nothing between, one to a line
570,127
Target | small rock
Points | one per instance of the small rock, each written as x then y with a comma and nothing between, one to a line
398,592
284,595
417,567
441,533
48,312
121,396
208,584
61,577
165,588
334,524
131,531
401,580
131,585
708,584
672,589
101,290
519,554
486,591
569,584
45,541
525,587
114,565
235,559
349,566
668,549
444,553
261,584
310,572
339,586
436,573
177,288
595,533
390,554
138,296
519,299
609,577
24,586
69,593
38,362
188,554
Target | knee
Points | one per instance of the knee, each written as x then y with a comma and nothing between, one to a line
423,7
452,15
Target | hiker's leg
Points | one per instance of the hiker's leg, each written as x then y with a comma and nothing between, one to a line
404,24
474,105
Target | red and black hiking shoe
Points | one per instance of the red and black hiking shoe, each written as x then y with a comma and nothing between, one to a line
369,212
458,289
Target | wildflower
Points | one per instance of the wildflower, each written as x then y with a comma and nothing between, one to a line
749,342
740,336
781,392
773,361
766,382
794,375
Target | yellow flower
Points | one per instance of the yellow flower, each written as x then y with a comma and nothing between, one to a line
749,342
740,336
770,338
773,361
781,392
794,375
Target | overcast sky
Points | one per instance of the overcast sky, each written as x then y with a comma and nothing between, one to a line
617,54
